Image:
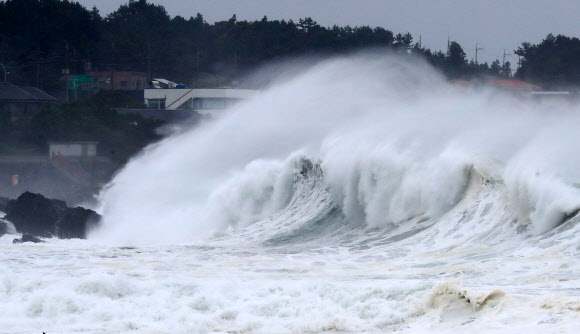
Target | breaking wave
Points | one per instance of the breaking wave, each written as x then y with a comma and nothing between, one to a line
353,147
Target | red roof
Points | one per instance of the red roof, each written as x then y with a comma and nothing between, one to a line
512,84
462,82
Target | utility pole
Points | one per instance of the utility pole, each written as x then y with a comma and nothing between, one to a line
504,54
38,63
477,48
148,60
67,72
3,57
4,67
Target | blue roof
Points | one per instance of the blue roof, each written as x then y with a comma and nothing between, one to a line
11,93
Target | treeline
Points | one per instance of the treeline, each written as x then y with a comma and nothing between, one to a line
39,38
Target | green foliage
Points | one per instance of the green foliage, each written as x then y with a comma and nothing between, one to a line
119,136
456,60
41,37
35,34
495,67
141,36
555,61
506,70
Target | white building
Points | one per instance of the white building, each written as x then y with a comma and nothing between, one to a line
72,149
204,101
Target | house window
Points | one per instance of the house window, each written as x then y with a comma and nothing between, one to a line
156,103
196,104
213,103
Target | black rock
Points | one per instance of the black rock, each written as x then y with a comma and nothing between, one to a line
75,222
27,238
34,214
38,215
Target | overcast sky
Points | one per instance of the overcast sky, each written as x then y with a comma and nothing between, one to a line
496,25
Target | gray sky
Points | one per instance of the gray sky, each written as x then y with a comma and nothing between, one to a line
494,24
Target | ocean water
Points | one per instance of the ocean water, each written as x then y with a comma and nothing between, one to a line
358,194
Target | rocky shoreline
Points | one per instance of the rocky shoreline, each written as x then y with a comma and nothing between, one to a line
36,217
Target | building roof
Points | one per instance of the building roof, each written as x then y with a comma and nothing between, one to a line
11,93
500,83
461,82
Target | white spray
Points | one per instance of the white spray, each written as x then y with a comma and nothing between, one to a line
394,138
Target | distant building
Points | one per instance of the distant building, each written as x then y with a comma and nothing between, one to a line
79,149
119,80
513,85
204,101
22,101
181,104
166,84
571,96
505,84
519,88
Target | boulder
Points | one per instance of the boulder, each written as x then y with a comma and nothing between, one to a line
27,238
75,222
34,214
40,216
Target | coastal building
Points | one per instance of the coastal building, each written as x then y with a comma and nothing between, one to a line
119,80
203,101
22,101
165,84
504,84
78,149
513,85
521,89
182,104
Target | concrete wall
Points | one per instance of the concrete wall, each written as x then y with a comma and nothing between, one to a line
39,174
169,116
87,149
175,98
